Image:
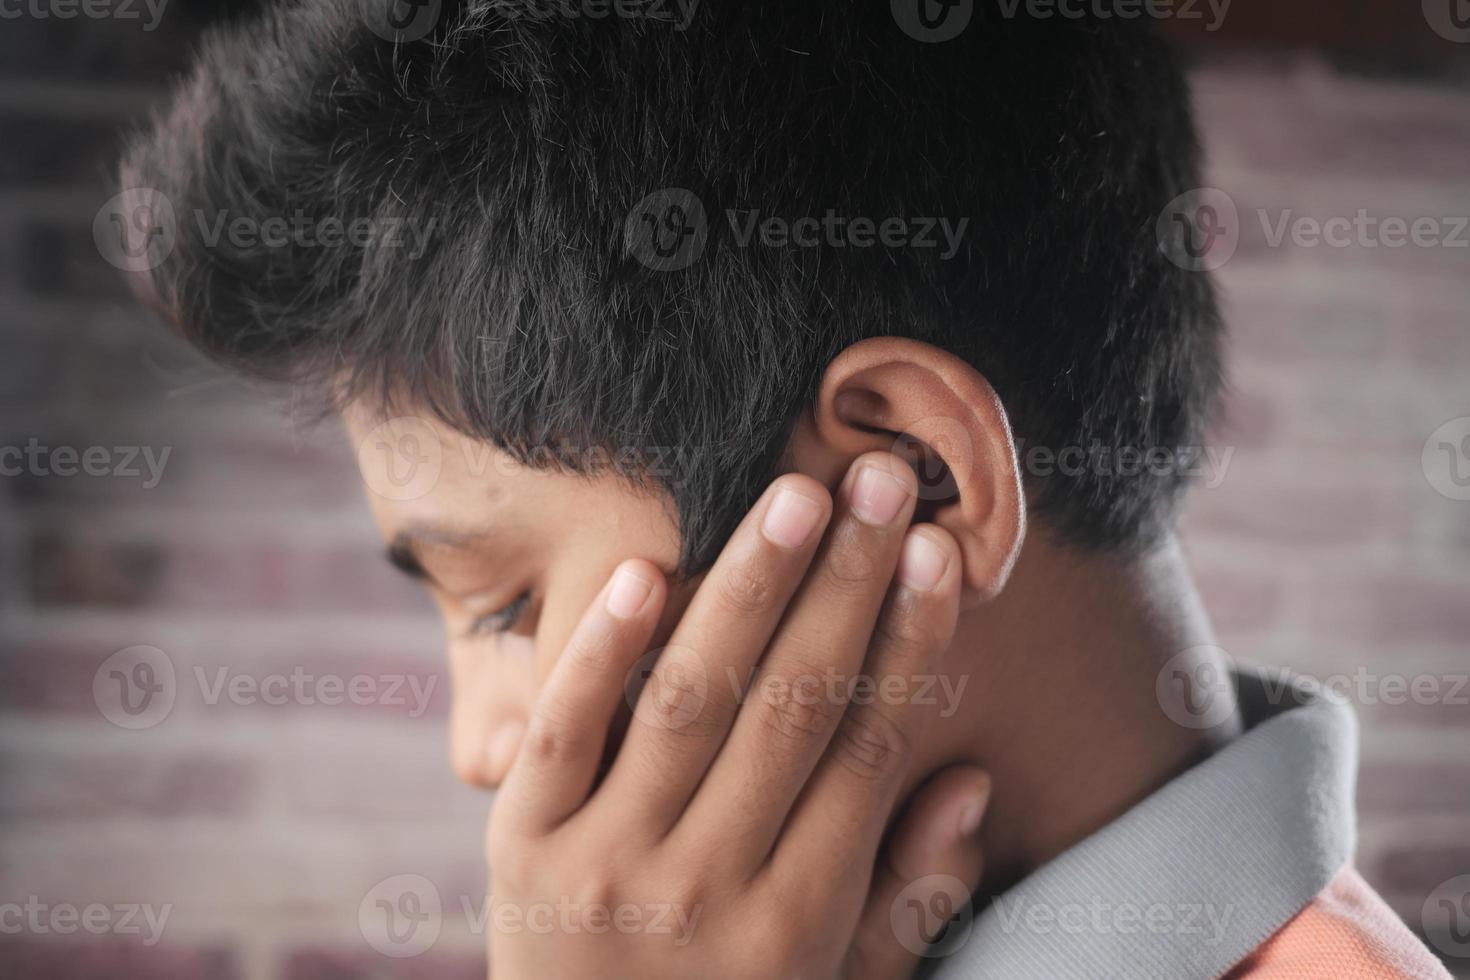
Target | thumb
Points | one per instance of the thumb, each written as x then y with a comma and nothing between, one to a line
924,878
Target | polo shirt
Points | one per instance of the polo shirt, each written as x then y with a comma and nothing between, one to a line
1239,868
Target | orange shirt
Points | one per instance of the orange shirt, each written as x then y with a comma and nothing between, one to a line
1346,933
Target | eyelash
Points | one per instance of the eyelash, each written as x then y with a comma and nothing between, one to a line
502,620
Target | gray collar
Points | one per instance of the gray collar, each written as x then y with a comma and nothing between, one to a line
1191,880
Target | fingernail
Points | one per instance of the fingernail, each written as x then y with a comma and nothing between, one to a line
877,496
500,751
922,563
974,811
628,593
791,518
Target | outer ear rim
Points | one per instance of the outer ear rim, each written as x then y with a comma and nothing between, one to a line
991,539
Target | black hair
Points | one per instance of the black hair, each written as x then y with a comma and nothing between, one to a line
521,144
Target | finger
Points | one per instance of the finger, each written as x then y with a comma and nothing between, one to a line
799,691
685,709
563,743
848,800
924,879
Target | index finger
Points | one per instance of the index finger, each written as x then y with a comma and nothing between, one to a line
690,700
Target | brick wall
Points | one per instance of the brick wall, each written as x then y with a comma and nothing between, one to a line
261,830
1327,547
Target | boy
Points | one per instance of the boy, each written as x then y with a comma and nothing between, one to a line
786,405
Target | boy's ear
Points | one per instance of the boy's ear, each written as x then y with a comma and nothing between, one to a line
932,408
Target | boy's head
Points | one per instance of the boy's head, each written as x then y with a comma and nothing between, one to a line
626,251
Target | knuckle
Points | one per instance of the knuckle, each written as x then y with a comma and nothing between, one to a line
596,651
870,745
655,767
675,887
797,707
550,740
513,860
677,698
850,567
788,945
903,633
743,589
866,955
597,889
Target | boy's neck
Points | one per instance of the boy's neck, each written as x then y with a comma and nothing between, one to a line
1062,705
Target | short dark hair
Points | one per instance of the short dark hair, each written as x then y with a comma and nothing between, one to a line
524,141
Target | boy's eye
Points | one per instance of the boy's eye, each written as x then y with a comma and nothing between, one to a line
501,620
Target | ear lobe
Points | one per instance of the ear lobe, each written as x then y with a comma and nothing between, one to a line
934,409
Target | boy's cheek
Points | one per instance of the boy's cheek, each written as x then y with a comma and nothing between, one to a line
496,687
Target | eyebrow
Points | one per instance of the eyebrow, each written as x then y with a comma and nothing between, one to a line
405,547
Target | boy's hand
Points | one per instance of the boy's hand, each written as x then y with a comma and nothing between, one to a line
737,832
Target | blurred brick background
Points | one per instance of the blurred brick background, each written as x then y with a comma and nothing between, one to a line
264,828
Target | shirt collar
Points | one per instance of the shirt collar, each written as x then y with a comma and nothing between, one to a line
1191,880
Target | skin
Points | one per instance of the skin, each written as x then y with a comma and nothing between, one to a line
770,817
